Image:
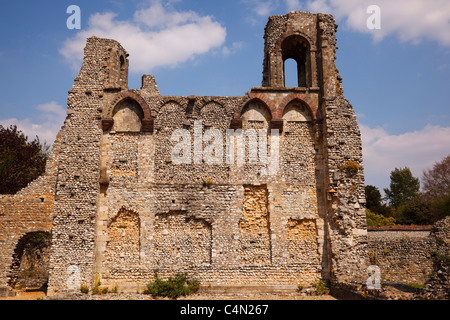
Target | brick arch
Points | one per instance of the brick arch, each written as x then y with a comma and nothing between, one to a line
265,102
168,102
147,120
214,112
294,97
130,95
212,102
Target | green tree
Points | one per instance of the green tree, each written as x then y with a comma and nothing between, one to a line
414,211
403,187
21,161
373,202
373,197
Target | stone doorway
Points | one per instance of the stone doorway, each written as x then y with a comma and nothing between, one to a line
30,264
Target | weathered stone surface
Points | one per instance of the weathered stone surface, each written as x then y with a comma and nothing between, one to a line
119,207
438,285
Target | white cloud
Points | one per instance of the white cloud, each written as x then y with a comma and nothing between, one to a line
156,36
46,126
235,46
294,5
418,150
262,8
410,20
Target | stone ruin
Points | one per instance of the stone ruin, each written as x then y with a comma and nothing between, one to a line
117,206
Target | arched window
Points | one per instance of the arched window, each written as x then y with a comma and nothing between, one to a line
290,73
122,62
297,48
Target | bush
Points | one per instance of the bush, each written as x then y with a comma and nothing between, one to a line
321,288
96,289
84,289
351,168
173,287
378,220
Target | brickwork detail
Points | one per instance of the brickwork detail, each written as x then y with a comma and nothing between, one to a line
254,229
302,241
181,240
123,244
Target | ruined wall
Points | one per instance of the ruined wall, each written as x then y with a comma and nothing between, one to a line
291,212
217,219
27,213
345,191
220,223
22,215
75,206
404,256
438,285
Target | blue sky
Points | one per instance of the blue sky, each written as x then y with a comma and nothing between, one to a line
397,78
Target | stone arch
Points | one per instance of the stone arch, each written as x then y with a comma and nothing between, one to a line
213,114
170,116
298,48
297,111
138,102
127,116
256,115
30,261
123,240
296,33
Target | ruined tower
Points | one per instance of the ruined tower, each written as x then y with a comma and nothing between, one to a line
123,207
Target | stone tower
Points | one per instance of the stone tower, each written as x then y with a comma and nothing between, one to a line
123,207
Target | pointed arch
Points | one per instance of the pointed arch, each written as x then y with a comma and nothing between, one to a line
297,110
298,99
256,109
